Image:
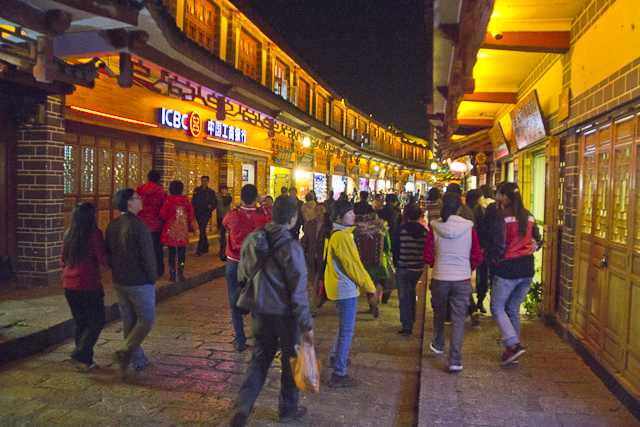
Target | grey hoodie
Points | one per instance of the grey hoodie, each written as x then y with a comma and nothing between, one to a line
282,281
452,249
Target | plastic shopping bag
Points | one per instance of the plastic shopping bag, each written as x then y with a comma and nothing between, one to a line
306,369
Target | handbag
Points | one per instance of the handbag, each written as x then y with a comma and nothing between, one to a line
245,297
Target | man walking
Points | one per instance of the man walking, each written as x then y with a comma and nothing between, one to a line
224,206
204,201
295,231
153,195
240,223
363,207
133,263
281,309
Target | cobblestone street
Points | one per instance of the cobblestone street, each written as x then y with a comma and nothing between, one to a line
195,374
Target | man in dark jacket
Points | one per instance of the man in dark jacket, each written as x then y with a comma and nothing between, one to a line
133,264
281,308
204,201
295,231
363,207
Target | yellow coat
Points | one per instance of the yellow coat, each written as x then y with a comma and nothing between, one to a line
344,273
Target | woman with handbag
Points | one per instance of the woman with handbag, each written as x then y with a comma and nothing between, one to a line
179,219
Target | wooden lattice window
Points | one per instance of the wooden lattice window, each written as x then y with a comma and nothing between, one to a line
601,201
303,95
247,58
337,118
587,209
198,17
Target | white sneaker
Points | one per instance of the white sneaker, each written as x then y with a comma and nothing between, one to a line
455,368
435,350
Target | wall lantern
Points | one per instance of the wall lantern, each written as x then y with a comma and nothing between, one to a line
434,166
306,142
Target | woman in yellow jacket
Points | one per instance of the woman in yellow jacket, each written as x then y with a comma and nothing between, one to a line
343,275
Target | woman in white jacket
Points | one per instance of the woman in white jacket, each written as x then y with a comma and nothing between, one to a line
453,251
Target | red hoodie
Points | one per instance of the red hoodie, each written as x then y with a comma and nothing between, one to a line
152,196
240,223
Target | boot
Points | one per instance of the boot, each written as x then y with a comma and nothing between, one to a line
172,272
181,272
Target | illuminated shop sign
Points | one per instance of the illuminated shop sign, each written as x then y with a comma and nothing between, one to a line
193,124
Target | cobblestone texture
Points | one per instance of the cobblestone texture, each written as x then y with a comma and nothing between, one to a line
195,375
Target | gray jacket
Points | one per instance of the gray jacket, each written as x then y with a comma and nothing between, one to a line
282,281
130,249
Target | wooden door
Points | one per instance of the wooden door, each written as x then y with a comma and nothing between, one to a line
550,259
606,309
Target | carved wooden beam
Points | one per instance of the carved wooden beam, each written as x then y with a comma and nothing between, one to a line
52,23
531,41
476,122
494,97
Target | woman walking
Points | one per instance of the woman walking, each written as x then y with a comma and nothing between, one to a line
179,220
516,239
453,251
83,249
343,276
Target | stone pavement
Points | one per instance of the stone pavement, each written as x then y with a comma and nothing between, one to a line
195,374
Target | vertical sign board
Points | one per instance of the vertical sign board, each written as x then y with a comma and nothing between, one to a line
499,142
526,117
564,104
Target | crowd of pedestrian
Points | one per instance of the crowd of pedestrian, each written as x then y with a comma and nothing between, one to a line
346,249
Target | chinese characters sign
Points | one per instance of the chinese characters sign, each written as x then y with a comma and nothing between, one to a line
526,117
193,124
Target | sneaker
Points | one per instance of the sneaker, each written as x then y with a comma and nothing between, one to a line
510,354
140,365
84,367
240,348
455,368
435,350
299,414
405,332
475,319
338,381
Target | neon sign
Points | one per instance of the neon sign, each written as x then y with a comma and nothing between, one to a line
194,124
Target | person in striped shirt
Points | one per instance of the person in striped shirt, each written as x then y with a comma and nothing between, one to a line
409,263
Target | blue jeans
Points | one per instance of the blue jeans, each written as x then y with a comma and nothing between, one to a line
407,281
506,297
231,272
138,312
346,309
457,293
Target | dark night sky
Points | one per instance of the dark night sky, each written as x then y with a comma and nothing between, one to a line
369,51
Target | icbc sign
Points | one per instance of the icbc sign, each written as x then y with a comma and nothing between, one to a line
194,124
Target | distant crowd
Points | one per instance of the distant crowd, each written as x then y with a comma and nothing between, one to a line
286,258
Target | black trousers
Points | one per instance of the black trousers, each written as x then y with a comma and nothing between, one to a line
203,242
482,281
182,250
267,331
87,309
222,231
157,248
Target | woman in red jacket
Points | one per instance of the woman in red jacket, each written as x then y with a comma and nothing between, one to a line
178,216
83,251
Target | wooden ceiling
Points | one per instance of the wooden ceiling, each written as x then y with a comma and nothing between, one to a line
501,51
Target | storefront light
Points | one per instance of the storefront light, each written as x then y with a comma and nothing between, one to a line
112,116
299,174
376,168
434,166
306,142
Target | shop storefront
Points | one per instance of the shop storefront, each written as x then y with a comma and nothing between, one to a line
304,173
338,180
320,186
280,171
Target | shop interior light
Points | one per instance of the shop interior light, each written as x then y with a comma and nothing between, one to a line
299,174
112,117
458,167
222,141
306,142
376,168
434,165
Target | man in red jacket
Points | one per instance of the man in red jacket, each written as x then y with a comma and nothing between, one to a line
153,196
240,223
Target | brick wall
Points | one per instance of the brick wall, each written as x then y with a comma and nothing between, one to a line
40,177
165,161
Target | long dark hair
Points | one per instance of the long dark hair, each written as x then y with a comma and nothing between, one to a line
78,236
512,192
451,202
434,194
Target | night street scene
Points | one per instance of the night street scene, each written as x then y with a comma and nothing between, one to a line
376,213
